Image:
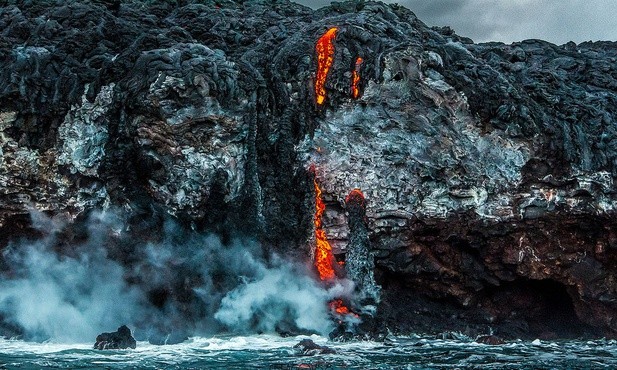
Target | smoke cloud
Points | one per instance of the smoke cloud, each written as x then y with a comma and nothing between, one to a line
185,283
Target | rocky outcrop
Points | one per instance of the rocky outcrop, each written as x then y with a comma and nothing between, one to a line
120,339
359,261
306,347
490,340
488,169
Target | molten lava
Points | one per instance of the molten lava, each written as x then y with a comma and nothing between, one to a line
325,58
337,306
324,258
355,196
355,79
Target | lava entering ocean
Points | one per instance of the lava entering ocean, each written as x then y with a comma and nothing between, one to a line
325,58
324,258
338,307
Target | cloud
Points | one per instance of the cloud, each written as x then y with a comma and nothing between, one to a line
557,21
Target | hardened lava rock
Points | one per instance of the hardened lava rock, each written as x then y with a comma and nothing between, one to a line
359,261
120,339
306,347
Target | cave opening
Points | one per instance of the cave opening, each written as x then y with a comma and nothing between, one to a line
536,308
521,309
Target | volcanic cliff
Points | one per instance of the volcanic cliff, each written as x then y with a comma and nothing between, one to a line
487,170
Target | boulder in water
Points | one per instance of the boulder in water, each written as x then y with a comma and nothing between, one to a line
119,339
307,347
492,340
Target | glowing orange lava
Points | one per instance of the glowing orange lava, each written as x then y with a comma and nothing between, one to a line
355,195
325,58
355,79
324,258
339,307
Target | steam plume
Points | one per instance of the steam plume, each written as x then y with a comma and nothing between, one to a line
183,282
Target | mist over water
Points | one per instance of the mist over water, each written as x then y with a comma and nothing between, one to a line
184,283
65,298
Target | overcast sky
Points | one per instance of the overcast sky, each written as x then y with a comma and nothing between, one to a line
557,21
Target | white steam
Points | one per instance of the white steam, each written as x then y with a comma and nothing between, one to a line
275,295
75,294
66,298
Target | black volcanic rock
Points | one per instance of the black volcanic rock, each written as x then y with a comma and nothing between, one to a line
488,169
306,347
490,340
8,330
120,339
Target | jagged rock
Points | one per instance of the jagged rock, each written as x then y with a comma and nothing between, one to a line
120,339
306,347
490,340
9,331
359,262
487,168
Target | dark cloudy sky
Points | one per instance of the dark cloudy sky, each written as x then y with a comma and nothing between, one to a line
558,21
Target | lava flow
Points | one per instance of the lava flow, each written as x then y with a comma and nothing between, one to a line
324,258
355,196
355,78
339,307
325,58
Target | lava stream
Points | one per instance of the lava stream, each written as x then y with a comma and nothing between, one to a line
355,78
339,307
325,58
324,258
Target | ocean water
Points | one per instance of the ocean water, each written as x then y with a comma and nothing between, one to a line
273,352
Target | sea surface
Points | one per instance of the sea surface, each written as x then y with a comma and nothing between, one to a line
273,352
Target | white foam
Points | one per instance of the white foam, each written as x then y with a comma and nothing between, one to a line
216,343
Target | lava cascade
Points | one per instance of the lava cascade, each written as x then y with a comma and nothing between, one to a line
324,258
355,78
325,58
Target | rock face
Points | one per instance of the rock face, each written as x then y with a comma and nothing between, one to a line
489,170
359,261
120,339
